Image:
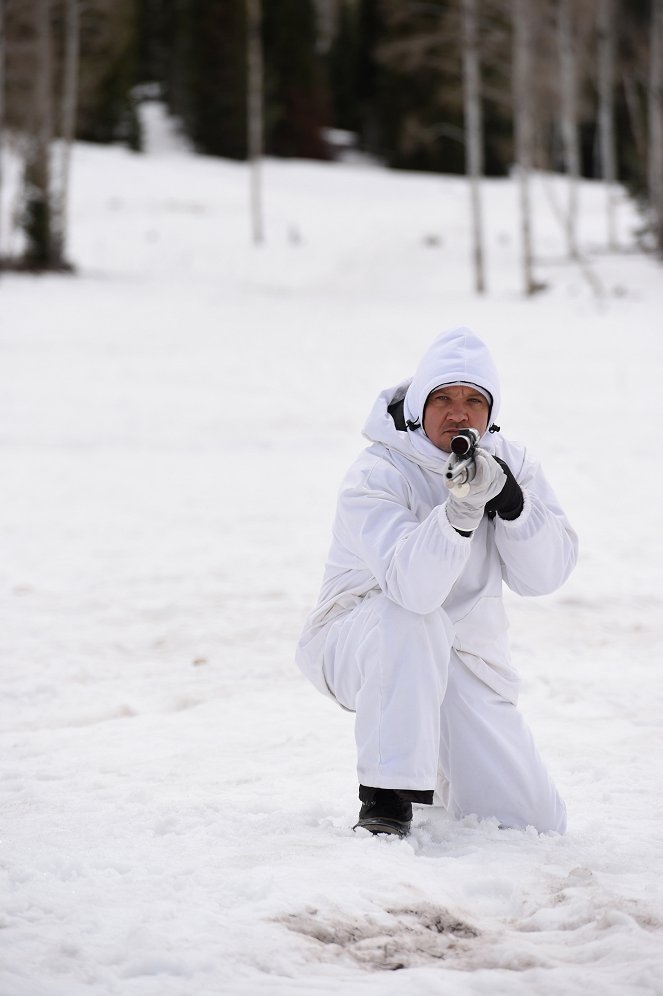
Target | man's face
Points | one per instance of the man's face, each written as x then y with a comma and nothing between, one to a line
449,409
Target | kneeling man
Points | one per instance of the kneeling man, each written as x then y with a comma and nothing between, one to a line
409,631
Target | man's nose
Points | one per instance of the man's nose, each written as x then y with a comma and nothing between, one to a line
458,412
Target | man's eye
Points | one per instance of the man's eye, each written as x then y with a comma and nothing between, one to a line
475,401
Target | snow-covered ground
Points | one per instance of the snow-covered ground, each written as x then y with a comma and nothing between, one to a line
175,800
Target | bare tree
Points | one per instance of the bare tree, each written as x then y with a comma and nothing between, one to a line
569,119
606,40
524,129
255,113
655,120
60,198
37,177
2,109
473,133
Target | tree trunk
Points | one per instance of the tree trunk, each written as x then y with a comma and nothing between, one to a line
655,120
606,37
2,112
68,126
473,134
569,119
636,116
255,113
524,130
37,221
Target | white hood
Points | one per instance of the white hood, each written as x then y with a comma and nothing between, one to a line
456,355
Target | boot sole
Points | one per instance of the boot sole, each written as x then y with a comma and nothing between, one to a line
376,825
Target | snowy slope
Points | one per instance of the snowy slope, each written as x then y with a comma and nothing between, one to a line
175,800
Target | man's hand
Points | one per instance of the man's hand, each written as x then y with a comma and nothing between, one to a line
509,502
465,504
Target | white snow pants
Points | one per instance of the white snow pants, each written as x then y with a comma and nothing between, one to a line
424,721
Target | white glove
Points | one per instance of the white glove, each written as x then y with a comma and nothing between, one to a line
466,502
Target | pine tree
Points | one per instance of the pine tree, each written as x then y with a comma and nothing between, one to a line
108,72
215,108
343,69
295,86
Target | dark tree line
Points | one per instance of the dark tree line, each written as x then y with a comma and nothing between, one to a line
196,50
393,73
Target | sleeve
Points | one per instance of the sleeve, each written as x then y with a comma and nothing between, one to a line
539,549
415,563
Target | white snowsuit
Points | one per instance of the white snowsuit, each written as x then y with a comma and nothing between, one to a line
410,631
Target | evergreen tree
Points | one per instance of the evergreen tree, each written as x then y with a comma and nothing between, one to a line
197,51
296,96
108,71
214,43
343,64
419,92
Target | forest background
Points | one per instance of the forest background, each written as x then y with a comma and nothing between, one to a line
452,86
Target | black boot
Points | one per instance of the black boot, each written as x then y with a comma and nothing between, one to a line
384,811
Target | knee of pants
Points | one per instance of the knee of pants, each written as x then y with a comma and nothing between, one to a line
401,625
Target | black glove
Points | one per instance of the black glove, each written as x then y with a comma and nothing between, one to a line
508,504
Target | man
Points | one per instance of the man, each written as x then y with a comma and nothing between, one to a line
409,631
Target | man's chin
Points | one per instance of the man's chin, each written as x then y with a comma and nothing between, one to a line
442,444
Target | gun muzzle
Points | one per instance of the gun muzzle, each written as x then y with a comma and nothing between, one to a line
465,441
460,468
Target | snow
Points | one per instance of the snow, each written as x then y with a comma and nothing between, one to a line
176,800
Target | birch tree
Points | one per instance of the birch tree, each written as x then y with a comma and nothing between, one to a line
473,133
37,222
606,57
2,112
524,130
569,120
655,121
255,113
67,127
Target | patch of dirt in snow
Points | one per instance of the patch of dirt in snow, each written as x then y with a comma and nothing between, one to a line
386,941
577,919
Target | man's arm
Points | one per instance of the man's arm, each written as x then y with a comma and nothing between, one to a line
415,563
538,548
